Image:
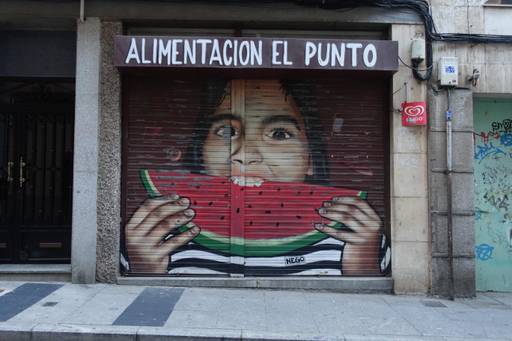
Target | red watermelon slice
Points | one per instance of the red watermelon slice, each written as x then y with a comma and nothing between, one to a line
263,219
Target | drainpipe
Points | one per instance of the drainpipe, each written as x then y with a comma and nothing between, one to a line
82,11
449,170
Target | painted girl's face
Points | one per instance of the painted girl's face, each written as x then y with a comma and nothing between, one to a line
257,133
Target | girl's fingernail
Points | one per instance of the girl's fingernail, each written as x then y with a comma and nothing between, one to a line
321,211
327,204
189,213
183,201
319,226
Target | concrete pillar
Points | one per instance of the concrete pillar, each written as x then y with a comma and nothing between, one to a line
109,176
410,239
463,194
85,174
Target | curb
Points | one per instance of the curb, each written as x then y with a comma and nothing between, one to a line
73,332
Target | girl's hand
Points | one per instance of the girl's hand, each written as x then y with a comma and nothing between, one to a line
361,234
151,233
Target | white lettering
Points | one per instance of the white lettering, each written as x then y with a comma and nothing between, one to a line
143,48
227,59
309,53
370,48
164,51
256,53
189,52
275,53
235,55
323,61
353,47
133,53
175,51
215,56
285,54
244,56
203,43
155,46
338,55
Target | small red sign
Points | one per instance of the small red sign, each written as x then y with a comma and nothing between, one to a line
414,113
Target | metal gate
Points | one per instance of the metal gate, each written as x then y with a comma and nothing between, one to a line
255,177
493,192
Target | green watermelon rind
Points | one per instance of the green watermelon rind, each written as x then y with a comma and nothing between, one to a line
242,246
257,247
148,184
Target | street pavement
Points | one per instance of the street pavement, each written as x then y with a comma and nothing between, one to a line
63,311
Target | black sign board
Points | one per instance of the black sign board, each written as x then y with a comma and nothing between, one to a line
255,53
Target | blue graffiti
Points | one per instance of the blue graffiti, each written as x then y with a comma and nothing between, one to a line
484,251
478,215
486,150
506,139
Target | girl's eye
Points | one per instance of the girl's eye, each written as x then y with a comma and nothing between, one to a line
226,131
280,134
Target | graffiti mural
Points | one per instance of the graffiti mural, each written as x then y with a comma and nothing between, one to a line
253,184
493,189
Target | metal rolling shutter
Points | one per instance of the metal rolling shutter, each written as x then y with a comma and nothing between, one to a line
162,121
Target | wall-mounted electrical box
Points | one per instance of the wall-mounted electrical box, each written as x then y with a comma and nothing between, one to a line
418,50
448,71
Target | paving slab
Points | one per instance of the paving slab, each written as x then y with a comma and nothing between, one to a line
105,307
87,312
60,305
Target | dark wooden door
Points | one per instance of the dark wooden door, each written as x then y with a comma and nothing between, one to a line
36,153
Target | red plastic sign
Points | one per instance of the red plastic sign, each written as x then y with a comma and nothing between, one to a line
414,113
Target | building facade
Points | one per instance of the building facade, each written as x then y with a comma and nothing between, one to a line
248,144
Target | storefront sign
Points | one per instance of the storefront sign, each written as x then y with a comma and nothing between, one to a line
256,53
414,113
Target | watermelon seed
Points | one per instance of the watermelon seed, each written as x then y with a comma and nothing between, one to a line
242,189
278,188
221,217
225,195
282,205
195,203
250,223
299,217
210,203
238,210
198,186
268,212
311,192
250,206
277,224
260,193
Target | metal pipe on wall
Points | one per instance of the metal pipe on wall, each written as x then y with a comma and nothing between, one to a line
449,213
82,10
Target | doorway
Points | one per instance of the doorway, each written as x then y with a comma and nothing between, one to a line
493,191
36,168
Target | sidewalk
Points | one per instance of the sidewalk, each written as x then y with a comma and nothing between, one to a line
63,311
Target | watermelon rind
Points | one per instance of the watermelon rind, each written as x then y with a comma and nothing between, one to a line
242,246
257,247
148,184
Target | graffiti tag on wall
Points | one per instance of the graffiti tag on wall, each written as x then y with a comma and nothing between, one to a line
493,192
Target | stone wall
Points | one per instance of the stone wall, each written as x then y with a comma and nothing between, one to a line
409,192
494,63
